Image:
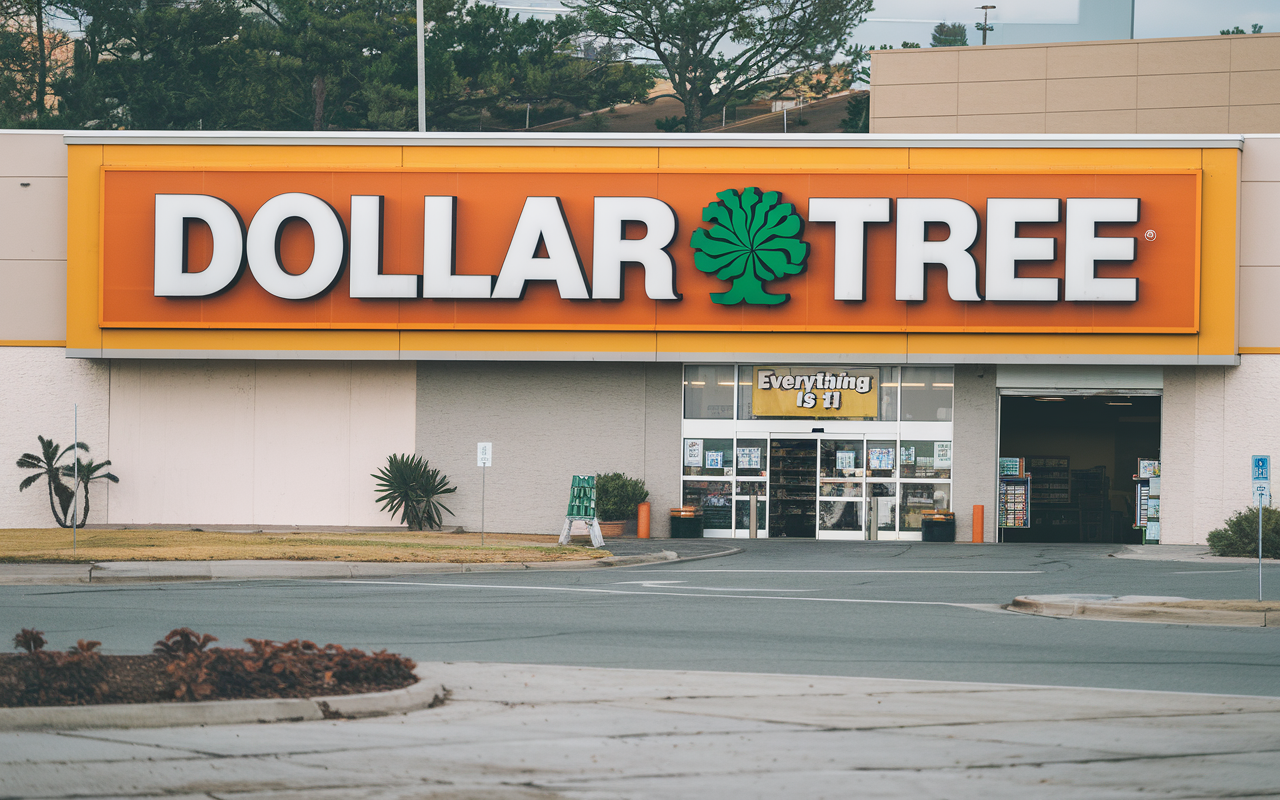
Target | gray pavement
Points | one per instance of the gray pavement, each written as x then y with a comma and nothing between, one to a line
513,732
892,610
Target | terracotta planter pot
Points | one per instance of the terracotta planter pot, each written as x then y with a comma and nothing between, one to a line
613,530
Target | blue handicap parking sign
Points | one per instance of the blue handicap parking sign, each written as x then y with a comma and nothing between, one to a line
1262,468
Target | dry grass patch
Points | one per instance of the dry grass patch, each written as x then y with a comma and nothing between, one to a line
28,545
1223,605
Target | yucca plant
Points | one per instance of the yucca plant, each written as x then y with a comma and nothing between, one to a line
48,465
410,487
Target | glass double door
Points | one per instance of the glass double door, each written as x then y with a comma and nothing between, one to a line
820,486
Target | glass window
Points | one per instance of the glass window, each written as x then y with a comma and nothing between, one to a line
708,391
715,500
882,511
742,515
839,515
889,393
882,459
708,457
922,459
751,457
919,498
927,393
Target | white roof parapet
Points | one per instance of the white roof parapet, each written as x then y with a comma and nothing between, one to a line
509,138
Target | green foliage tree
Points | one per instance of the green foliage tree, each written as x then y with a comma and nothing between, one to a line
618,497
692,40
950,34
48,465
34,53
1237,30
857,114
1239,537
755,238
411,487
308,64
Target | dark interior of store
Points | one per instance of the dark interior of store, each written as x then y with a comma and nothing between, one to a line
1081,453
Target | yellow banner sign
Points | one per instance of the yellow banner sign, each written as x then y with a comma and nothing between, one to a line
816,392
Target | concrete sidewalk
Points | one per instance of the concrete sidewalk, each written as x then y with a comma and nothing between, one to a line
518,731
626,553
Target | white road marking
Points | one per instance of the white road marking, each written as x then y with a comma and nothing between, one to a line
865,571
423,584
1204,571
671,585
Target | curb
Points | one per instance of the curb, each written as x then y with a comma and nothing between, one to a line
142,571
419,696
1121,609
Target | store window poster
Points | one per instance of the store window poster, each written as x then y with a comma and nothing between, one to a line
693,452
846,459
880,458
908,455
715,459
942,455
748,458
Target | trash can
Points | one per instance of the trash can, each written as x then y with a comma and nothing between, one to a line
939,526
686,522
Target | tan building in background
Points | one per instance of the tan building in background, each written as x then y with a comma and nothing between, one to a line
1208,84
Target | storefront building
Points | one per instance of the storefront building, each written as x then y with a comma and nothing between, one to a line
853,331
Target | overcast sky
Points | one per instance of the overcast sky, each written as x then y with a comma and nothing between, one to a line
888,23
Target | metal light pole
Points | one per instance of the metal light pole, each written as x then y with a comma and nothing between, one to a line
76,479
422,71
984,27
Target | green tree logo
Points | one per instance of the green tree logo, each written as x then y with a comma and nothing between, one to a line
755,239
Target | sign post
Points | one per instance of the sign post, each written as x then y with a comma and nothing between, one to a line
484,460
1261,493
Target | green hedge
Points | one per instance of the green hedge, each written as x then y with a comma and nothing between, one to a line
617,496
1240,536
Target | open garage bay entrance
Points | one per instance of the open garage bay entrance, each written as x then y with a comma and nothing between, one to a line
1081,451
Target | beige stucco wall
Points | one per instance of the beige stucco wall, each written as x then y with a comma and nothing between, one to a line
548,422
1214,419
33,237
975,436
1259,242
39,389
265,442
1210,84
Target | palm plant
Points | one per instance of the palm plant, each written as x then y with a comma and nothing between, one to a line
48,465
85,472
408,485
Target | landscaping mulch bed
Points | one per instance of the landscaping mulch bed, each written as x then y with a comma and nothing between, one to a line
184,668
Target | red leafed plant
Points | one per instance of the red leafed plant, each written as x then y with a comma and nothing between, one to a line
184,667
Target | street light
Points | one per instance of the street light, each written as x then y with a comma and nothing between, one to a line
422,71
982,26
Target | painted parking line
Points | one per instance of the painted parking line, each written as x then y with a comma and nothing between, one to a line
1204,571
585,590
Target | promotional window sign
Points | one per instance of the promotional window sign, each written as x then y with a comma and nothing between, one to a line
1090,252
816,392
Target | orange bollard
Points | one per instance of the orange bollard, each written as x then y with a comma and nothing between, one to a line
642,521
979,512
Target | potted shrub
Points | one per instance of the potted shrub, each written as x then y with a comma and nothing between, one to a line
617,498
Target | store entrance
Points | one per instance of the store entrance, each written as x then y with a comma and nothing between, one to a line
793,488
1081,452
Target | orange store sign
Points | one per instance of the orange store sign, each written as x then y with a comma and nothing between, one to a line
1069,252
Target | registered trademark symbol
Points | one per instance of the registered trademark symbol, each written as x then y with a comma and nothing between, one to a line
1151,236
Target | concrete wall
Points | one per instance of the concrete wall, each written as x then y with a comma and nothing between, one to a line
976,436
1211,84
1214,419
265,442
39,389
33,237
548,422
1259,242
